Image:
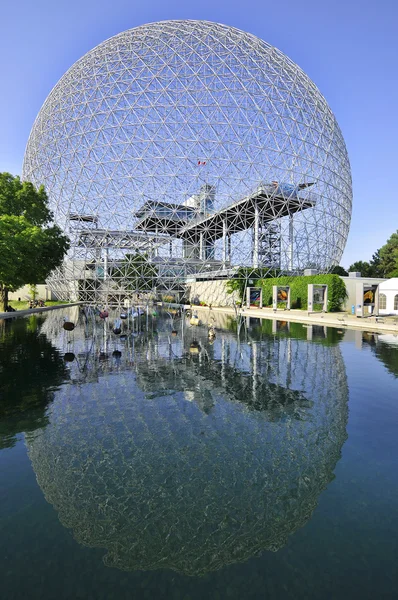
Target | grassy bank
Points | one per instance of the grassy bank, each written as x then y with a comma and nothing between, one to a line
24,304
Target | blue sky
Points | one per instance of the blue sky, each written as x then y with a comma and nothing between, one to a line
349,48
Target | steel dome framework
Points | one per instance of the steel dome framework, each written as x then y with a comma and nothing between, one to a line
181,150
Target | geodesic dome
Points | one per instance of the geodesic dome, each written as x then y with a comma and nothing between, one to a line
185,149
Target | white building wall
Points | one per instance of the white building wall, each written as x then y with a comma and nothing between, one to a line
351,287
43,293
212,292
390,289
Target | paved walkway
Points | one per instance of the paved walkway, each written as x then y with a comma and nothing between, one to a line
339,320
31,311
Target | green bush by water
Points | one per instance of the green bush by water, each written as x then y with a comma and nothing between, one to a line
298,289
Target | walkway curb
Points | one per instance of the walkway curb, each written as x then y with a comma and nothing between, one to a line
32,311
338,320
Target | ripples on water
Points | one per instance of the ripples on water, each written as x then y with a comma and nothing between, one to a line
171,451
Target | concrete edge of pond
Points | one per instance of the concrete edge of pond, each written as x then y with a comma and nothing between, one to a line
32,311
339,320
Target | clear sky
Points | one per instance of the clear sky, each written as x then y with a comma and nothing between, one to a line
349,48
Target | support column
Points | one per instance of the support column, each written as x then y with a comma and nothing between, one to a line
201,246
156,249
291,231
155,255
106,264
98,263
224,243
229,248
256,237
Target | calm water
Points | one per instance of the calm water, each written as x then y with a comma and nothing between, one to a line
154,464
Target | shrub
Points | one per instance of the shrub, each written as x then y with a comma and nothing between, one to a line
242,277
299,290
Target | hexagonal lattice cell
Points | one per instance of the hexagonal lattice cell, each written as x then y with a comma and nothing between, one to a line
185,149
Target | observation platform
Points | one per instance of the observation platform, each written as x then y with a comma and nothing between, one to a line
123,240
165,217
186,223
198,226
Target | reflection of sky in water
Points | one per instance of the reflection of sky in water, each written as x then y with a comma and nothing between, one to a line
189,460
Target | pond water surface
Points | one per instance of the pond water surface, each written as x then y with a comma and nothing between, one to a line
159,463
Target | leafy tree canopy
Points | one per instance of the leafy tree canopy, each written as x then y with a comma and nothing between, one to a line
384,261
22,199
137,273
389,256
30,245
366,269
338,270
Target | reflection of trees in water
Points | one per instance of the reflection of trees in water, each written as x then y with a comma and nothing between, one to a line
162,484
30,368
386,350
388,355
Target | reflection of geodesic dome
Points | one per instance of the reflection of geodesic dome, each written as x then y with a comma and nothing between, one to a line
195,144
160,482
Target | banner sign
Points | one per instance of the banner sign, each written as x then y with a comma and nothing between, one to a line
369,294
317,294
254,297
280,294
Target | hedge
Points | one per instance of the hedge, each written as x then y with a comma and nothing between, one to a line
245,274
298,289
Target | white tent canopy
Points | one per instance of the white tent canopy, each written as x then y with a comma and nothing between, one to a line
388,296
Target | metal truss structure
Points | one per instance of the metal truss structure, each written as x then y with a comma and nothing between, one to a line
186,149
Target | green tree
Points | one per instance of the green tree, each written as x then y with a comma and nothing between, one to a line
384,261
33,291
365,268
30,245
377,264
389,256
137,273
338,270
248,277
